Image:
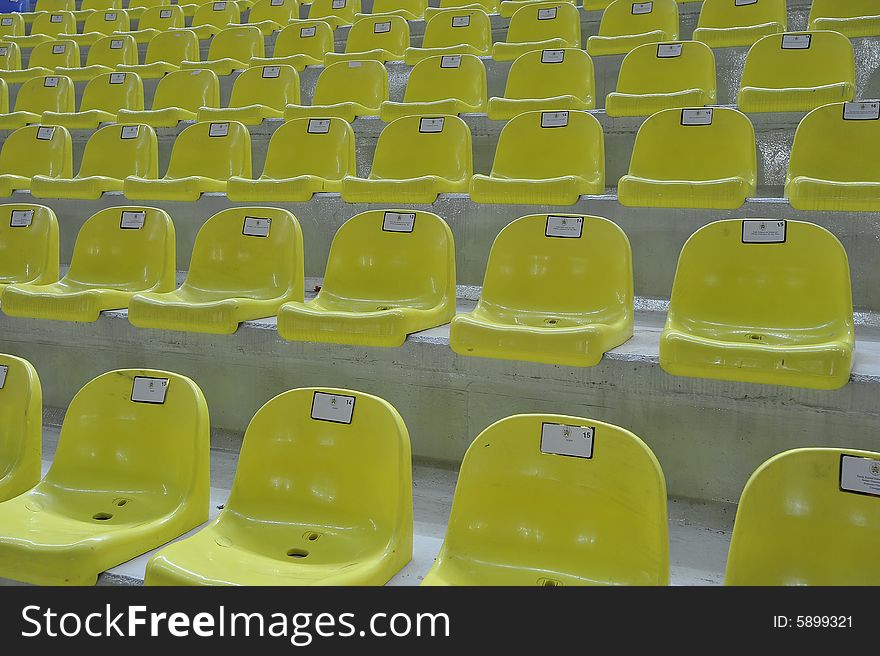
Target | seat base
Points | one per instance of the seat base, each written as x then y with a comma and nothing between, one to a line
85,73
631,104
504,51
502,109
850,27
87,120
249,115
726,194
413,56
25,74
553,191
621,45
831,195
62,301
424,189
167,117
378,54
10,182
298,62
88,188
15,120
298,189
757,100
389,111
151,71
221,67
733,37
188,188
348,111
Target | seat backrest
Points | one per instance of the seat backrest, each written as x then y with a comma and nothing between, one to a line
126,248
118,151
111,92
415,7
668,68
280,11
308,146
781,61
342,454
541,21
21,420
4,96
566,146
448,76
730,13
389,33
364,82
725,278
463,27
113,50
61,53
161,18
239,43
273,86
212,150
38,150
313,38
258,250
809,517
535,485
838,9
217,14
173,47
413,146
107,22
549,73
118,438
147,4
188,89
10,56
625,17
55,23
11,25
369,262
678,144
48,93
345,10
28,244
54,5
100,5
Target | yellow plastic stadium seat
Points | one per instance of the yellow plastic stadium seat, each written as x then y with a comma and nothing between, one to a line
204,157
809,517
417,158
119,252
832,164
111,154
445,84
28,245
52,92
546,80
10,56
558,290
11,25
509,7
4,97
304,43
102,98
537,505
137,8
111,494
272,15
545,158
99,24
384,38
733,23
246,263
231,49
694,157
626,25
165,52
46,27
156,20
335,12
389,274
258,93
280,527
212,17
463,32
21,426
659,76
44,59
797,72
324,153
410,10
761,301
346,90
178,97
540,25
853,18
486,6
34,150
104,56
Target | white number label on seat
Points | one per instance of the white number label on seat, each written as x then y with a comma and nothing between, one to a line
756,231
571,227
276,3
51,81
431,124
552,56
337,408
796,41
6,21
59,48
564,440
642,7
271,71
146,389
129,131
306,32
110,16
337,4
355,64
319,126
21,218
4,369
164,13
450,61
219,6
4,51
46,133
547,14
132,220
218,130
399,221
56,18
117,78
115,44
743,3
667,50
861,111
860,475
461,21
255,226
381,28
554,119
696,116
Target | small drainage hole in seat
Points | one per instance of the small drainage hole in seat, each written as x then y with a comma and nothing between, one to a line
120,502
312,537
102,517
297,553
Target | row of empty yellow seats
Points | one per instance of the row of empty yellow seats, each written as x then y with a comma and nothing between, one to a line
753,300
530,487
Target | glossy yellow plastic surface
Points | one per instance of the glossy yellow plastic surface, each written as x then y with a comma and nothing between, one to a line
127,478
178,97
46,27
4,97
346,90
104,56
796,526
99,24
199,163
537,165
156,20
777,313
454,32
540,25
417,158
301,44
486,6
853,18
546,80
797,79
651,81
10,56
621,29
110,264
165,52
51,92
136,8
11,25
34,150
21,426
44,59
509,7
111,154
553,297
410,10
725,24
212,17
89,8
28,250
383,38
524,517
380,284
231,49
323,159
335,12
314,502
676,165
235,275
270,17
102,99
441,85
258,93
